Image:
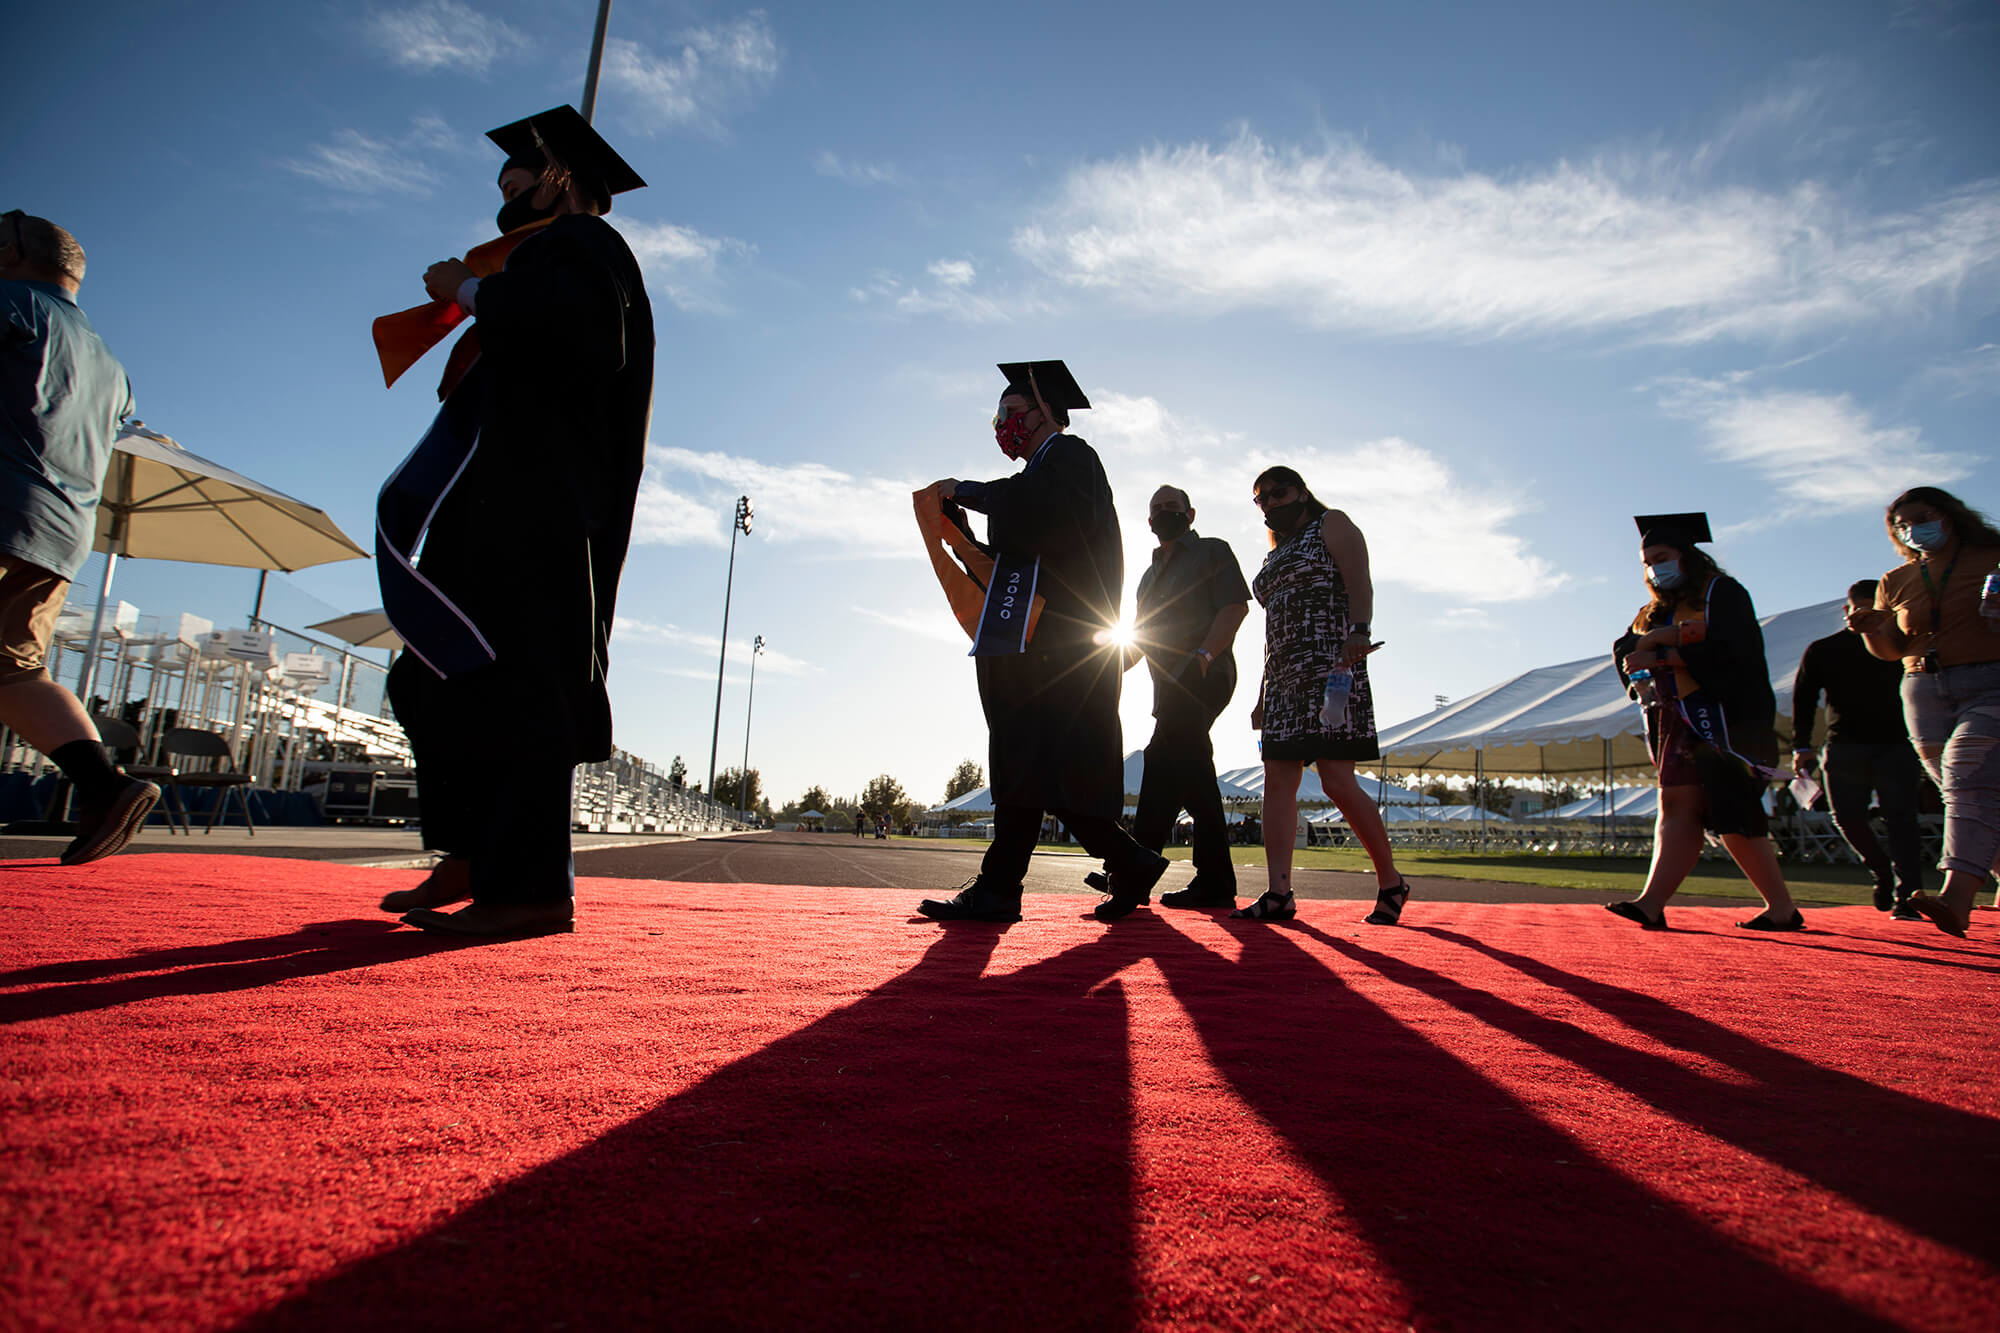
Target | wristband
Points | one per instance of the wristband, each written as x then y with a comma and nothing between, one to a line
1360,627
1205,655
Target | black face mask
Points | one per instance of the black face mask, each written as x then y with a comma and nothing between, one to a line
1168,526
1285,517
520,211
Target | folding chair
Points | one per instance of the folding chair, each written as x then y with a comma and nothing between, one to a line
202,747
122,736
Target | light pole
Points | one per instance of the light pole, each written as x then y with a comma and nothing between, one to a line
743,782
742,525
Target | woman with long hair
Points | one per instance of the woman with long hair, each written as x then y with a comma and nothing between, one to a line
1930,612
1694,658
1317,599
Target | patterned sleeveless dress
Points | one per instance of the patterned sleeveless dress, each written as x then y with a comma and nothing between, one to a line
1305,621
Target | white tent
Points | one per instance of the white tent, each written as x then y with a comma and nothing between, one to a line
1626,803
1443,814
976,802
1251,779
1574,717
1135,774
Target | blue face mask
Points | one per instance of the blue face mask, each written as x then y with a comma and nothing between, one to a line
1666,575
1924,536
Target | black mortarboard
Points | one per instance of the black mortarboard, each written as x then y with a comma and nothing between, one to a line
1679,531
595,163
1058,386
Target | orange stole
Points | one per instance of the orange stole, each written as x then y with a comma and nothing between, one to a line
962,569
402,339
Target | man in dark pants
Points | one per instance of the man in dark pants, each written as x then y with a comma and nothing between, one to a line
1051,702
1192,599
1867,751
521,499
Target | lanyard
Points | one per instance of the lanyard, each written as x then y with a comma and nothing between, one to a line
1937,593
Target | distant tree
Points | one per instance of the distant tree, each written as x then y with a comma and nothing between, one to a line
729,789
884,798
969,777
816,798
677,773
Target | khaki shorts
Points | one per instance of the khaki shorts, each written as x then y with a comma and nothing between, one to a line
30,597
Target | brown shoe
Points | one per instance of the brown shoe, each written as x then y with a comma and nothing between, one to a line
499,920
450,882
104,832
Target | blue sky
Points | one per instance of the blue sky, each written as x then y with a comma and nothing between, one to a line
1493,281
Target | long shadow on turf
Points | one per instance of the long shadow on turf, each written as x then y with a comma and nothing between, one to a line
211,969
950,1151
1928,1167
956,1150
1488,1215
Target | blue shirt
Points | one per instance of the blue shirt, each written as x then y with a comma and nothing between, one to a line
62,395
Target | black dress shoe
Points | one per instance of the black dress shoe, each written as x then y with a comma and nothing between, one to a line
1130,889
976,901
1200,894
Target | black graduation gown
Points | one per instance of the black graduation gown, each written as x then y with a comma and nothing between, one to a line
1729,666
531,539
1054,741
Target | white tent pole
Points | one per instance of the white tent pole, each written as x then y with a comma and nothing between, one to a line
88,675
1604,827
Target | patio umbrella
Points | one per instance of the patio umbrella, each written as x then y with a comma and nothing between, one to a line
363,629
161,502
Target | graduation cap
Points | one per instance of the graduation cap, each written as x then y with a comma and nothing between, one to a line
595,163
1058,387
1679,531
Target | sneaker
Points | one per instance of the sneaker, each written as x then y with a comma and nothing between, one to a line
1905,912
104,830
1885,895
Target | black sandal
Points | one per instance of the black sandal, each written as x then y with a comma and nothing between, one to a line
1389,904
1765,921
1631,911
1270,907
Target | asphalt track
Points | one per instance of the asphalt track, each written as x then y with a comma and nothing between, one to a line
834,860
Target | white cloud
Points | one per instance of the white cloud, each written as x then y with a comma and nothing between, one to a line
1426,527
679,262
365,168
937,624
437,34
953,272
953,296
715,71
626,629
1339,238
1820,452
841,515
854,172
1974,371
666,517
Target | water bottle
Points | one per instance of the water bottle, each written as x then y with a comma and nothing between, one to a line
1989,600
1642,685
1333,703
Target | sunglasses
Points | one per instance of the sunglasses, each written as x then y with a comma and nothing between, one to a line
1003,415
1288,494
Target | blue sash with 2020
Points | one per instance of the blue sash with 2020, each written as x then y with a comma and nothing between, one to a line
1003,620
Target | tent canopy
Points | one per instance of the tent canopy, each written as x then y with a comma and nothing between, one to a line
1560,719
1251,779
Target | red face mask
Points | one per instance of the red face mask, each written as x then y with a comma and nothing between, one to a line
1012,435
